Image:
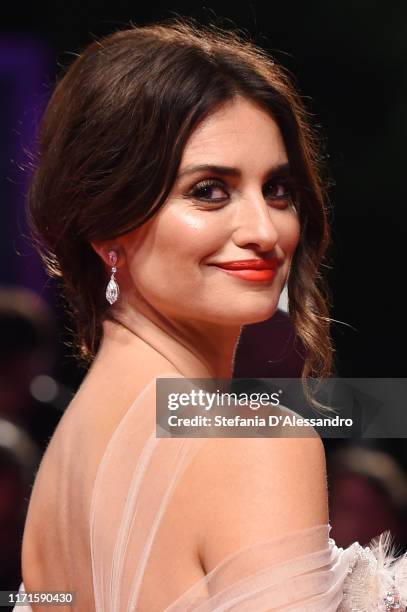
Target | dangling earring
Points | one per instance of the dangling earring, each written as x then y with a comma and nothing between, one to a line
112,289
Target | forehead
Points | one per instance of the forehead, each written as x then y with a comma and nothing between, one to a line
239,132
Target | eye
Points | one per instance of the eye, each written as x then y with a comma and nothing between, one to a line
214,191
280,189
204,189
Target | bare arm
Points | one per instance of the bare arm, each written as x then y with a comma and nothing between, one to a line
250,490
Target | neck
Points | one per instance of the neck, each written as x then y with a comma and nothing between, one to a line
195,349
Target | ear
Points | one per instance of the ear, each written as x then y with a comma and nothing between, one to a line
103,249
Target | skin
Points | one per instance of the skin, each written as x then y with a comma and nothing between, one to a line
171,299
180,313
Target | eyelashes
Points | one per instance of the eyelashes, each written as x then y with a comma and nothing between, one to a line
278,189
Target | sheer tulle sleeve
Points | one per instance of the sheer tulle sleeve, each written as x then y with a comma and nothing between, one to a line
274,575
302,571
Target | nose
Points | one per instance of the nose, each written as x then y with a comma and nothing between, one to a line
255,227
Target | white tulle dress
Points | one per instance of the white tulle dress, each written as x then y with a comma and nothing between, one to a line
303,572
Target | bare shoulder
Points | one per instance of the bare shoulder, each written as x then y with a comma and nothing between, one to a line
253,489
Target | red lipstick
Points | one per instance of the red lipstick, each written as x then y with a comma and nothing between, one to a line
250,269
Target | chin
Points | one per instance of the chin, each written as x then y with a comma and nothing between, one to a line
259,317
246,316
259,310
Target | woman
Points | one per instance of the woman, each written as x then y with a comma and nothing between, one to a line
177,162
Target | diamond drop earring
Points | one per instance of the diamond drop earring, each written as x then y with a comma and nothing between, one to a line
112,289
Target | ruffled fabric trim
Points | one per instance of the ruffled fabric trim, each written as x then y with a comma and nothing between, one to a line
377,578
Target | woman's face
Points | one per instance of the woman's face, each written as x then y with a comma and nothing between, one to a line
240,210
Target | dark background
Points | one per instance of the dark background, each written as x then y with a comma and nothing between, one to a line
349,60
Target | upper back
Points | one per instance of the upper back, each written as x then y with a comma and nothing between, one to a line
56,552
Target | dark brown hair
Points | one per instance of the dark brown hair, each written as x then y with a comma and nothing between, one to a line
111,142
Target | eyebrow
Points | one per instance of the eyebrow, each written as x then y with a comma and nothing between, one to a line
277,170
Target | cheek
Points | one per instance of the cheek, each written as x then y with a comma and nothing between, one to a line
164,266
176,241
187,234
289,234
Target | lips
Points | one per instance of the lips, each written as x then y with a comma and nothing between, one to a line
250,269
249,264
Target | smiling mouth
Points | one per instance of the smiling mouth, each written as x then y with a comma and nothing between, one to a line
250,274
250,269
249,264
